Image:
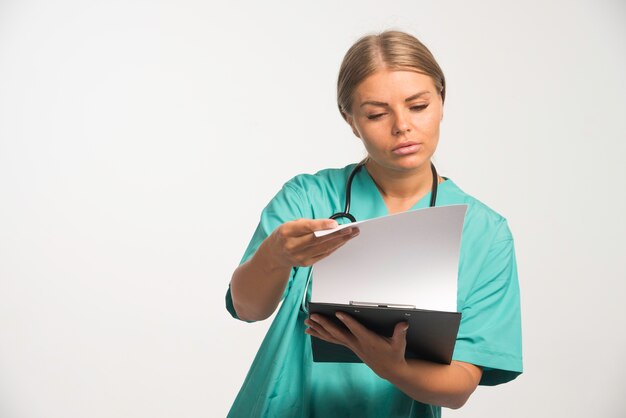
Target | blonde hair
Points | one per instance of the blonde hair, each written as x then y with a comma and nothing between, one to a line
394,50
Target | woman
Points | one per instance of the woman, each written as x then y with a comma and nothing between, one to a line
391,92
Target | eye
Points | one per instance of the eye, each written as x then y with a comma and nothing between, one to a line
375,116
417,108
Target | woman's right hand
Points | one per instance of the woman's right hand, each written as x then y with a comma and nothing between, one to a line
257,285
294,243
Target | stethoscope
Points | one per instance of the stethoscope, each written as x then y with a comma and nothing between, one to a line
347,215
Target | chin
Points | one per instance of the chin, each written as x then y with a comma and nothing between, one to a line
409,164
405,164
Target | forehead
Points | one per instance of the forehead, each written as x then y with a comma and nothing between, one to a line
387,85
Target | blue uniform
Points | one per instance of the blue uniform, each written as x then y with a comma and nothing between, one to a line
283,380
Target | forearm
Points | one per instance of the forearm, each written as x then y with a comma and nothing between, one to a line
258,284
436,384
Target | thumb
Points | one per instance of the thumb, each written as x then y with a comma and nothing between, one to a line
398,339
312,225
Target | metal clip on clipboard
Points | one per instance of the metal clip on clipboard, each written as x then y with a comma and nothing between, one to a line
381,305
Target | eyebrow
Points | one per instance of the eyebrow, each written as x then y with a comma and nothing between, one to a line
408,99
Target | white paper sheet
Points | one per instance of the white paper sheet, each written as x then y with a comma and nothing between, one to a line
409,258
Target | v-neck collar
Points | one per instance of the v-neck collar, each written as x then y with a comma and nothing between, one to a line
367,202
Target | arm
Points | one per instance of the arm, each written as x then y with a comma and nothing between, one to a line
437,384
258,284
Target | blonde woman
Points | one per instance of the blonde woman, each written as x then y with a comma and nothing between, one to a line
391,92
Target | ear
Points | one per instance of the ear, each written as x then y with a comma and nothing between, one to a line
442,107
350,121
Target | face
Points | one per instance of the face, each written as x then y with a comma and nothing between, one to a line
397,115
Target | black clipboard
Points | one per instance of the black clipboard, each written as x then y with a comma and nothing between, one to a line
431,335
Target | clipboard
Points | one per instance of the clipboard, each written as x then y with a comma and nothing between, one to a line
431,335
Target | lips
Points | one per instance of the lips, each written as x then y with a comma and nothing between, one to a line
407,148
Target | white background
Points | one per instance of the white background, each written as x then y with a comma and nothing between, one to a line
140,140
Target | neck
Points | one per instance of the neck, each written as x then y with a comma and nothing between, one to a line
401,189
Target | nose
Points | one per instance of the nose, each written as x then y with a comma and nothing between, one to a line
401,124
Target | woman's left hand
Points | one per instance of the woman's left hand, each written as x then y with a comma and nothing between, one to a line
381,354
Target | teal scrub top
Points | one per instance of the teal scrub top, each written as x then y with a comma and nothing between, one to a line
283,380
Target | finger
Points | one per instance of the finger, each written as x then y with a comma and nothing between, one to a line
298,239
301,255
343,336
320,332
327,248
328,241
313,333
398,339
309,256
301,248
301,227
355,327
296,235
